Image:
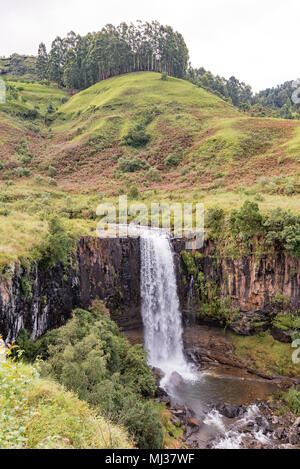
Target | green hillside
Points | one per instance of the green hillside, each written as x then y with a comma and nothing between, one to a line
167,140
189,135
17,66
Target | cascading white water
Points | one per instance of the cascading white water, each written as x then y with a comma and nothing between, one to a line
160,305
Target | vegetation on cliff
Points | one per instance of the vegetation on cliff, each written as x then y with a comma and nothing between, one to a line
276,229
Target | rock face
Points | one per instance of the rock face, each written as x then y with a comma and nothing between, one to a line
40,299
109,269
257,288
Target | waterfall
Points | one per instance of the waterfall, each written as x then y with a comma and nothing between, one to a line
160,304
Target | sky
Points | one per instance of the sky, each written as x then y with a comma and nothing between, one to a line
254,40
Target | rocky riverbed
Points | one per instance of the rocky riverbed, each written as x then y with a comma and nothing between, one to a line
228,405
225,426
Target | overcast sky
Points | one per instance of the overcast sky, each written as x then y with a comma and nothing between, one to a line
255,40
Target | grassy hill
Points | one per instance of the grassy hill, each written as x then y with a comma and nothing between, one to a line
195,138
171,139
19,66
178,135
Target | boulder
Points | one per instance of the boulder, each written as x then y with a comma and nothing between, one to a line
231,411
176,379
281,335
294,436
193,423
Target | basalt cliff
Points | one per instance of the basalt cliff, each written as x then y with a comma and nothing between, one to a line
253,290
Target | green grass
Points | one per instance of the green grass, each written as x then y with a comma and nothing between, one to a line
126,97
39,414
266,354
26,207
172,433
222,155
40,95
292,399
292,147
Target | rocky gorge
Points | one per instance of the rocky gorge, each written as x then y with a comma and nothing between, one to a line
242,294
254,290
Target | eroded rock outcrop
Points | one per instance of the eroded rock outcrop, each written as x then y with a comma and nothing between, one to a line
40,298
255,288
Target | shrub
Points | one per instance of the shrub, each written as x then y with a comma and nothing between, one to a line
91,357
39,414
153,174
214,219
247,221
173,160
50,109
51,182
21,172
283,228
131,165
4,212
136,137
133,192
52,171
286,321
292,398
58,245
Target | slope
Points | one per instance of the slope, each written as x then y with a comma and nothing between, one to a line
177,134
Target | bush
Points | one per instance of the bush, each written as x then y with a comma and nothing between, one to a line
292,398
91,357
58,245
215,219
137,137
51,182
133,193
130,166
283,228
21,172
173,160
39,414
4,212
153,174
52,171
247,221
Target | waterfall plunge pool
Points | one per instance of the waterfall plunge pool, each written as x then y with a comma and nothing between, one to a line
166,345
218,384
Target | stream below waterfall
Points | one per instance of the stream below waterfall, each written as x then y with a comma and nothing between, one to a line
201,391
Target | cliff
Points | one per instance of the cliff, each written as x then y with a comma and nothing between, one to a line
243,293
40,299
246,292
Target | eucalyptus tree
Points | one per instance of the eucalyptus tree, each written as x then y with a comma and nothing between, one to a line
78,62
